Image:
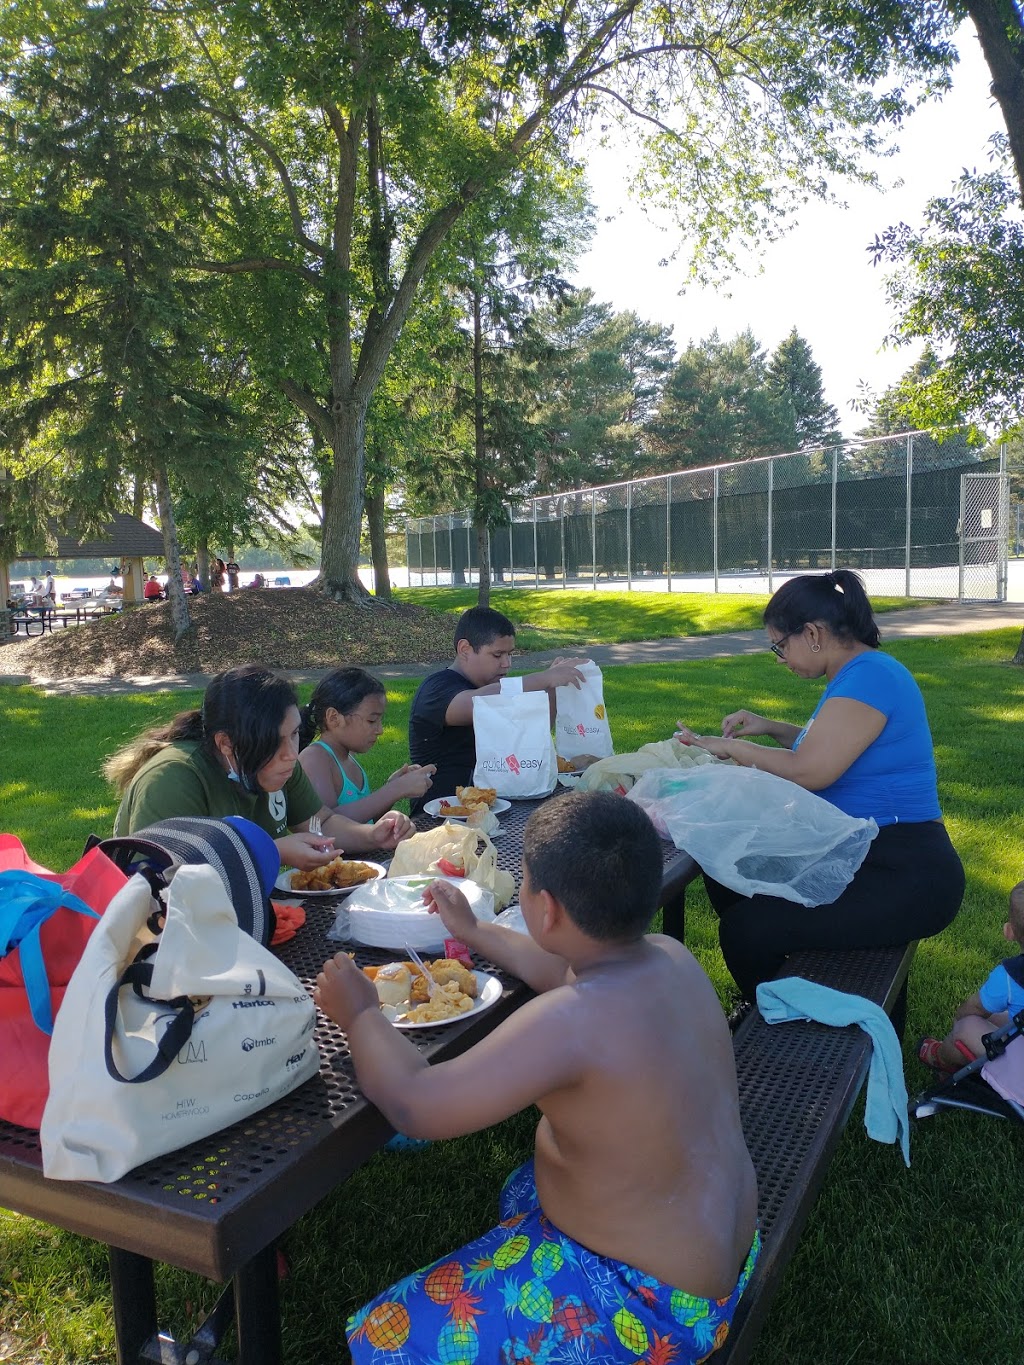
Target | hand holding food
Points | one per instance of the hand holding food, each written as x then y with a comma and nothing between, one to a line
441,898
391,829
343,992
412,779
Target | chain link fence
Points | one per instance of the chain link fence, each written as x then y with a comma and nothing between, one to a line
916,515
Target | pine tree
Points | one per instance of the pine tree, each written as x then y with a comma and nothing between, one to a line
792,373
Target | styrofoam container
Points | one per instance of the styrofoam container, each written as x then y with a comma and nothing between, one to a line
389,913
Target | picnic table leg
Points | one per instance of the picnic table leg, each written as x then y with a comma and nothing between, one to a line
673,917
258,1311
131,1282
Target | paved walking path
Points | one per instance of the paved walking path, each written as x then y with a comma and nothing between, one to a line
948,618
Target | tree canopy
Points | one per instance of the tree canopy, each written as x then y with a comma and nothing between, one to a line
336,145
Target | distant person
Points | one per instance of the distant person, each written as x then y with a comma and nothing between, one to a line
233,572
346,710
258,581
197,584
632,1231
217,571
441,718
152,591
49,590
35,592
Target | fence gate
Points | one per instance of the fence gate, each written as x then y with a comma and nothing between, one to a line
983,530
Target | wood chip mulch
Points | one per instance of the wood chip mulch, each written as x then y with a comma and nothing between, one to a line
285,628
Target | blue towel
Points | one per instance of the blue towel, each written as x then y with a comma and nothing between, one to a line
885,1114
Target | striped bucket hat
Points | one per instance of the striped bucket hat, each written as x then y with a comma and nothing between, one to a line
242,853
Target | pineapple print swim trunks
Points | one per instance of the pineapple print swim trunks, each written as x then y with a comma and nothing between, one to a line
525,1294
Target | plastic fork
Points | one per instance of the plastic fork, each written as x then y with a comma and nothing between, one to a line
432,986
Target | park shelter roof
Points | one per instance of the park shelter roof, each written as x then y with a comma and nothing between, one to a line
125,537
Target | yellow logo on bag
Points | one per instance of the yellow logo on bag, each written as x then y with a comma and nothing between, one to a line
599,712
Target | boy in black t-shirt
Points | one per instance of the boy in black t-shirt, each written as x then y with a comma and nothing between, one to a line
441,718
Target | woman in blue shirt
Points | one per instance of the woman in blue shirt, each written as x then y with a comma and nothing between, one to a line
868,749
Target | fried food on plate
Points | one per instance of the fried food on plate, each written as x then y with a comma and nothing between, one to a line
443,970
447,1004
476,796
337,875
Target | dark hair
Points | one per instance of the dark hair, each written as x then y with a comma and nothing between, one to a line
480,625
599,855
343,689
247,703
836,600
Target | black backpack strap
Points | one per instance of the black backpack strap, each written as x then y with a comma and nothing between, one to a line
174,1037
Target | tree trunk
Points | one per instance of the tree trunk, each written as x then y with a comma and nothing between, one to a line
1000,28
483,544
483,554
378,546
203,561
172,556
1018,658
343,506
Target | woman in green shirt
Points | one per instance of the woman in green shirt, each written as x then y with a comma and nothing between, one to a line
239,756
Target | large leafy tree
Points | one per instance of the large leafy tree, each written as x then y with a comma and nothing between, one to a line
718,406
352,136
106,358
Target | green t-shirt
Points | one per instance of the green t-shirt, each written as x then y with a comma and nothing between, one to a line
184,780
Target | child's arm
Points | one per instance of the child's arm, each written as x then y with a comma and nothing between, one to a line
513,952
322,772
971,1006
411,780
522,1060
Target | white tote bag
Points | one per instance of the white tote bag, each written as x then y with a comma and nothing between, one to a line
581,721
514,752
166,1038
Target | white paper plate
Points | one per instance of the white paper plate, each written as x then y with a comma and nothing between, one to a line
284,881
488,990
434,808
391,913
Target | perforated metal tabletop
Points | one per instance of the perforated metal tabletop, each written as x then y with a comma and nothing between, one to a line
212,1206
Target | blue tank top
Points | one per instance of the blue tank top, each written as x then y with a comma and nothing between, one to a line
349,790
893,781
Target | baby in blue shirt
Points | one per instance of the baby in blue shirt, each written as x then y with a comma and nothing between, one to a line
990,1008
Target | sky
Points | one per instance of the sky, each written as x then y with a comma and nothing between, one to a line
819,278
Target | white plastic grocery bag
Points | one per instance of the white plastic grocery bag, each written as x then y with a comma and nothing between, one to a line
581,721
514,751
756,833
167,1037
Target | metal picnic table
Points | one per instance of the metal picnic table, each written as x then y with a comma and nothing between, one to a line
217,1206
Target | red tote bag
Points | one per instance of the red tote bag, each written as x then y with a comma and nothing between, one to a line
42,937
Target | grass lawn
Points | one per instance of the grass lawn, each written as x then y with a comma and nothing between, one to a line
553,618
913,1266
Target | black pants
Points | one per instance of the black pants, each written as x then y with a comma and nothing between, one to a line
909,886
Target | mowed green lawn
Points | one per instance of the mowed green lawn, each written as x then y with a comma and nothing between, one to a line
915,1266
555,619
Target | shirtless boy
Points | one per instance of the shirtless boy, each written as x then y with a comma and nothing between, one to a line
634,1223
441,717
